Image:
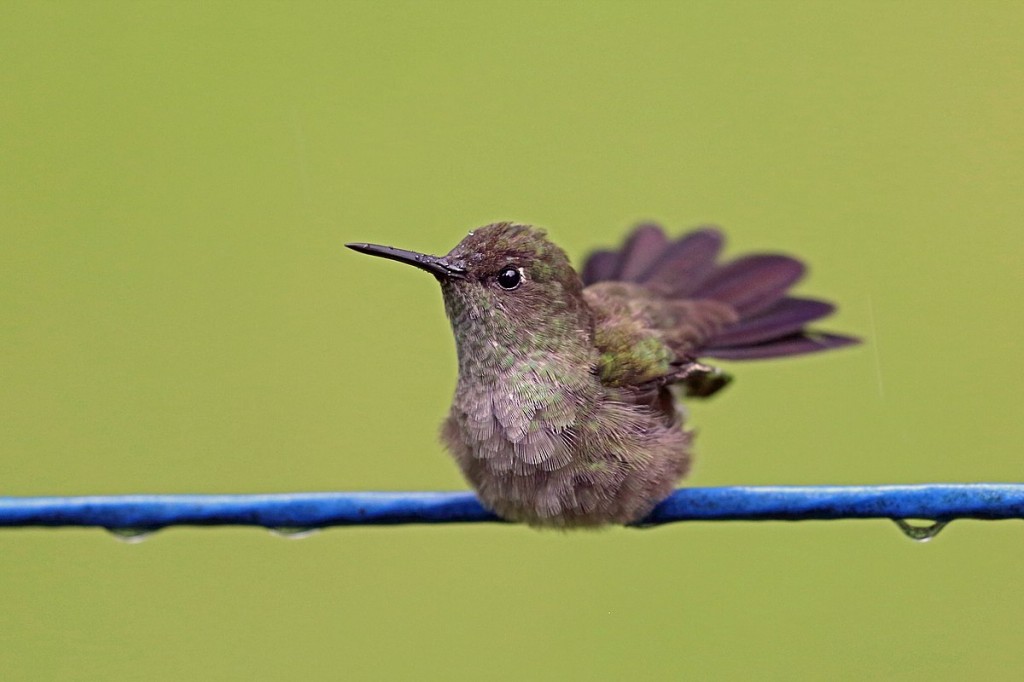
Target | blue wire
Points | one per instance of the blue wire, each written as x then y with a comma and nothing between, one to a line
315,510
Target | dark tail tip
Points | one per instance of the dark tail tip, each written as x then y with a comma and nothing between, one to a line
800,343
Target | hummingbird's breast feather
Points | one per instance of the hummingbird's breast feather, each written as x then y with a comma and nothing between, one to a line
561,453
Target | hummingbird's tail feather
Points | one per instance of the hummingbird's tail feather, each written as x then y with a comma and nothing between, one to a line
643,247
792,344
645,244
787,316
647,257
600,266
770,323
752,283
686,263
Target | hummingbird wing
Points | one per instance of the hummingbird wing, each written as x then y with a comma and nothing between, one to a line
644,338
767,322
646,342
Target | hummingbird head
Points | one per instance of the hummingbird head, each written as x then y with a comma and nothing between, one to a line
508,291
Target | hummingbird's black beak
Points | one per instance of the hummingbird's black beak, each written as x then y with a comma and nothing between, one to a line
438,267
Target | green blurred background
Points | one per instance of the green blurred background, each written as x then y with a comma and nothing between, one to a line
178,315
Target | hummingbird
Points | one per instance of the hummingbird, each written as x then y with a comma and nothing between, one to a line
567,409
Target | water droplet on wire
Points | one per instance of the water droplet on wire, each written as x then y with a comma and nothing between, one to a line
294,533
920,533
131,536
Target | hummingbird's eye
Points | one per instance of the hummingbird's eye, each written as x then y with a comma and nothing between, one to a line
510,278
